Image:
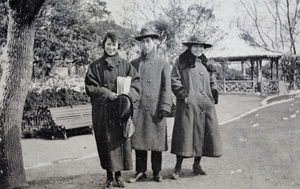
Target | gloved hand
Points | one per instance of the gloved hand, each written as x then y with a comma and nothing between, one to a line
163,113
112,96
215,94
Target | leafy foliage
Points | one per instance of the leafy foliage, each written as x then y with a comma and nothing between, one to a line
37,121
176,22
228,73
3,23
290,65
68,33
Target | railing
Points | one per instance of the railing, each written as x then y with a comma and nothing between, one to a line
248,86
270,86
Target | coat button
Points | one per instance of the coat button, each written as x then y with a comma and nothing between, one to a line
148,95
202,92
201,73
149,81
136,107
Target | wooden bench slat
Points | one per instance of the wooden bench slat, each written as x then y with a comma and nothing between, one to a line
68,122
72,117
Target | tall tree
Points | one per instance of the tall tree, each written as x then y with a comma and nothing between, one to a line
276,22
68,33
15,74
175,23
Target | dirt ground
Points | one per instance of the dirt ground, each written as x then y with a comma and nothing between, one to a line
261,150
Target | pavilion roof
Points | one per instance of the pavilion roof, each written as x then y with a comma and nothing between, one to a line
238,46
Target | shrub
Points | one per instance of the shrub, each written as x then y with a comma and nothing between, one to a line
290,65
37,121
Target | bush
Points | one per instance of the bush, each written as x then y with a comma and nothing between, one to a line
290,65
37,121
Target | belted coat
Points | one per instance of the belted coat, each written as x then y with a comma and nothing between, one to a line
196,129
101,80
150,130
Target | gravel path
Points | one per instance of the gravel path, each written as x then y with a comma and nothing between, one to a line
260,151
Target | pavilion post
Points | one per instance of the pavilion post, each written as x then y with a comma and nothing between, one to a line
243,68
252,74
271,63
259,75
277,65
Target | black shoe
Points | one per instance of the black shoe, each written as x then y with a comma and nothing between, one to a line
176,173
157,177
108,183
198,170
120,182
138,177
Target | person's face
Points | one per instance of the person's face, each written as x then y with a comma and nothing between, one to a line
110,47
147,44
197,50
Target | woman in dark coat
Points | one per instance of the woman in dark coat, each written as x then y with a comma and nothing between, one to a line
196,130
101,85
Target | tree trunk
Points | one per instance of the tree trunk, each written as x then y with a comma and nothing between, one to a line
16,70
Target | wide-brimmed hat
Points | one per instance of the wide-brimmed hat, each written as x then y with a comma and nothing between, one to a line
145,32
196,40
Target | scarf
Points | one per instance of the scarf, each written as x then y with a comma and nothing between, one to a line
187,60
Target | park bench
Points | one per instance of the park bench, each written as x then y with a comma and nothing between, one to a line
72,117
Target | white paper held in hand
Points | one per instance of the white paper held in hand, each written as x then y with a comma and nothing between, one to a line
123,85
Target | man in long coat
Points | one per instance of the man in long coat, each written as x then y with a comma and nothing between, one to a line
154,105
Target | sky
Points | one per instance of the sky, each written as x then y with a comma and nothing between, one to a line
226,11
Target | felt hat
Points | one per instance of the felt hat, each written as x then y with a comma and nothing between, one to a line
123,106
146,33
196,40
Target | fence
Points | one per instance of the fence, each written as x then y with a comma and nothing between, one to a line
248,86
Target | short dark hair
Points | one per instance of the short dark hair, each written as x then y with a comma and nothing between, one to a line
114,36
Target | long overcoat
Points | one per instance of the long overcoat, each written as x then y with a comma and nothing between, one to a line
150,130
196,130
101,80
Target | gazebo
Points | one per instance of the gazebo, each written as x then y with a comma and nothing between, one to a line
241,47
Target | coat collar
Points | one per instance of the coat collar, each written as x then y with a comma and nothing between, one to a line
147,56
112,61
188,60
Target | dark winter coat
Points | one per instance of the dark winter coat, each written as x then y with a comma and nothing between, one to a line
150,130
101,80
196,130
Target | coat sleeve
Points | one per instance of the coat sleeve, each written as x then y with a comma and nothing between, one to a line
93,86
166,91
213,81
177,86
135,88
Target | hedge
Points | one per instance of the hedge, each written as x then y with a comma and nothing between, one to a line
37,121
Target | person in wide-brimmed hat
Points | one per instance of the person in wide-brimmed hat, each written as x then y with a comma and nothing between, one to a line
196,129
197,40
154,105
